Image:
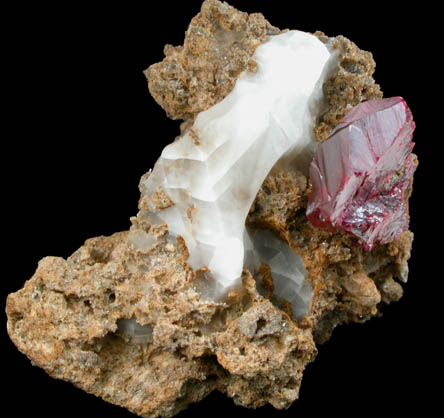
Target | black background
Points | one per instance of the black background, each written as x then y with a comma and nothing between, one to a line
80,129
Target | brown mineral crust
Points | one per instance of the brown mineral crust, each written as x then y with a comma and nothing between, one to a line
350,84
270,208
161,200
218,46
65,320
270,353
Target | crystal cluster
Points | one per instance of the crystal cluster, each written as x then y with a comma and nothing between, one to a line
361,174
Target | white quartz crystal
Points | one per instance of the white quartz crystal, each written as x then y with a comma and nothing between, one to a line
214,171
140,334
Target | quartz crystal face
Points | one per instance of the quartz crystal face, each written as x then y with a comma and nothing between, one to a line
361,174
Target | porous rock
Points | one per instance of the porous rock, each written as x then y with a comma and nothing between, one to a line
65,320
218,46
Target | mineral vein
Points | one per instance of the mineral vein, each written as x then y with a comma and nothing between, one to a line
214,171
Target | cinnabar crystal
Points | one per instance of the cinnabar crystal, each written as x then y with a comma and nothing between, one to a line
361,174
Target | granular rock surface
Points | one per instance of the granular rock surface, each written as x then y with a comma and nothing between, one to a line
68,318
218,46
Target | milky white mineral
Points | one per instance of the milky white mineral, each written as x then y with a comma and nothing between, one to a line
212,174
287,268
140,334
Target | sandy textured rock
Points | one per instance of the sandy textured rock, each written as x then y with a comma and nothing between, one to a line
218,46
65,320
68,317
351,84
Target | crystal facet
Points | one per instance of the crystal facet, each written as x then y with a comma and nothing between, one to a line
287,268
361,174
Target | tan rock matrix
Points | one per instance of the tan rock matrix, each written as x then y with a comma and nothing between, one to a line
71,317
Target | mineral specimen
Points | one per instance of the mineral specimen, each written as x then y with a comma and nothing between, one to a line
222,283
360,175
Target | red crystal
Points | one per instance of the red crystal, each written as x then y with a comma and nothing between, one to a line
361,173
